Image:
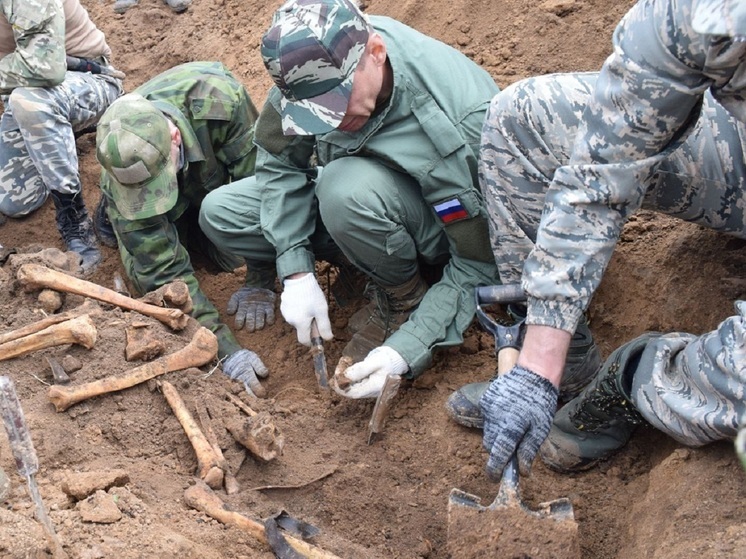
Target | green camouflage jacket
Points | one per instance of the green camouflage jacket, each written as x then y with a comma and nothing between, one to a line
216,119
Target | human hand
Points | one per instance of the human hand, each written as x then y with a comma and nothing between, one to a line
245,366
518,408
301,302
254,307
368,376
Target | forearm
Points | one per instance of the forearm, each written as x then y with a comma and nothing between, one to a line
443,315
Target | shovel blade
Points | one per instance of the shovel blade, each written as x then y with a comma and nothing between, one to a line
507,528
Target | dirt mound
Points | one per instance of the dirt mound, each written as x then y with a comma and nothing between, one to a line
387,499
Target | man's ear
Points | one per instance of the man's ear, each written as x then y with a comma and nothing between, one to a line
175,135
377,48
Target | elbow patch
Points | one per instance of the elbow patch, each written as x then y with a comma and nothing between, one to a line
268,132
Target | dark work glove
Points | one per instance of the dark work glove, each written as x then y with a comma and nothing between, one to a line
245,366
518,408
254,307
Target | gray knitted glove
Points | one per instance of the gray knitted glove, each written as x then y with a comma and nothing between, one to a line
518,408
245,366
254,307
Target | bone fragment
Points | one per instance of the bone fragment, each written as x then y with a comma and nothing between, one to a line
79,331
208,462
86,308
201,350
231,483
200,497
34,276
174,294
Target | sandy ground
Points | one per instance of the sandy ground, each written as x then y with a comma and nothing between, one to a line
387,499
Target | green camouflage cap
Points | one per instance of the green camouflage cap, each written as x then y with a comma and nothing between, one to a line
719,17
133,145
311,50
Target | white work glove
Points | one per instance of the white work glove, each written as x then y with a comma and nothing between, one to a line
301,302
368,376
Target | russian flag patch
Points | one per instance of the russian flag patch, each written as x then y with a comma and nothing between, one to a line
450,210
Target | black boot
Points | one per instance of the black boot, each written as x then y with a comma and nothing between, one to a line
102,225
582,363
601,419
76,229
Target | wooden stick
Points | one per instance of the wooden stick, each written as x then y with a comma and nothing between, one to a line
35,275
201,350
200,497
208,464
79,331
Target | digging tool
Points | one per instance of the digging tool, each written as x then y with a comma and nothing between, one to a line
383,405
319,359
200,497
58,372
80,330
507,527
201,350
25,456
385,398
35,275
208,462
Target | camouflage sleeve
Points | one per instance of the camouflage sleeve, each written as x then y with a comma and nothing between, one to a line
288,208
153,256
39,34
237,150
646,99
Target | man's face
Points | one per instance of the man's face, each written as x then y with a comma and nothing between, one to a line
366,87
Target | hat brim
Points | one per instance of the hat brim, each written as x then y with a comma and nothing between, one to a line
316,115
155,197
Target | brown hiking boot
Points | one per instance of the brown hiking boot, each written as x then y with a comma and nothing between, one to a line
388,309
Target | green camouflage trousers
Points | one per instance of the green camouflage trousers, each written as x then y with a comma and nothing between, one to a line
690,387
37,138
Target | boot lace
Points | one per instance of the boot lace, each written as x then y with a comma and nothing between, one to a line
603,404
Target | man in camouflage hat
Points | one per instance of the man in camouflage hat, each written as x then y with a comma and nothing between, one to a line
163,147
565,160
45,106
394,119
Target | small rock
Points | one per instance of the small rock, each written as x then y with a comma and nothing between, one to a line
49,300
81,484
71,364
143,344
100,508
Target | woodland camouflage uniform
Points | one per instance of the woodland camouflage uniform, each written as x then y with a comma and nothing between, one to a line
215,116
662,127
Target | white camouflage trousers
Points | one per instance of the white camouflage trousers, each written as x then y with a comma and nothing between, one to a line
691,387
37,138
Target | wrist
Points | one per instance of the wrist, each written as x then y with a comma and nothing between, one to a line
544,352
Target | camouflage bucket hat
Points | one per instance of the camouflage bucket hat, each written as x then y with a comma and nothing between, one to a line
133,145
311,50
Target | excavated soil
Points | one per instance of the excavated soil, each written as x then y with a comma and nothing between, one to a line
387,499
